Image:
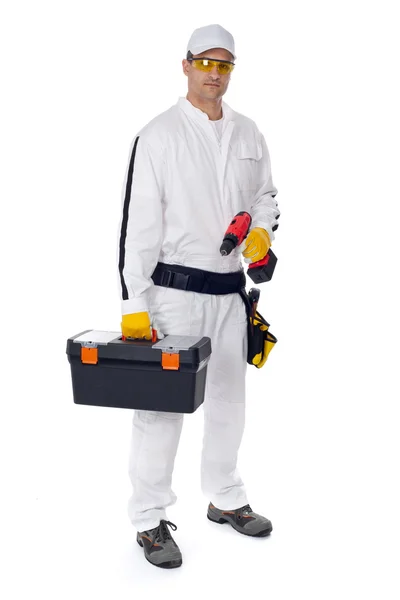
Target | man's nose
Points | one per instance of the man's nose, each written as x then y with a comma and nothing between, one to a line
214,72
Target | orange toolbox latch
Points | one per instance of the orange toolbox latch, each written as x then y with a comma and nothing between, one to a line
170,361
89,353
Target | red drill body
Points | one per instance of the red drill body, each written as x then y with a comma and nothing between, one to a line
236,233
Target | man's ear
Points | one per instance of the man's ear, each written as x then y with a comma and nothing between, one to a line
185,66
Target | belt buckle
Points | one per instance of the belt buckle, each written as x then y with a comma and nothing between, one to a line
181,281
167,278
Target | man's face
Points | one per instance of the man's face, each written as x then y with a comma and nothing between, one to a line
210,85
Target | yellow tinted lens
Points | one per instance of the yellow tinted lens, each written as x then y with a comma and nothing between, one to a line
203,65
208,65
224,68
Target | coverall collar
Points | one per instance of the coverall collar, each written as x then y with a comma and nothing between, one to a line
198,114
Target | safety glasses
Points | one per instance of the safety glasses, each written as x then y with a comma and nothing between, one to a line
207,64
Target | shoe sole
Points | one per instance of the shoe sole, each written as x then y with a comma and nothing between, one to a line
170,564
221,521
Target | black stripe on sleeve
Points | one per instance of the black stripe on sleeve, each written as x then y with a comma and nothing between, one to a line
124,225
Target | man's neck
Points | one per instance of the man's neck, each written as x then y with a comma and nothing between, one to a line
213,108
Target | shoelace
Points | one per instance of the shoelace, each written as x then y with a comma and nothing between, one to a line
163,534
245,509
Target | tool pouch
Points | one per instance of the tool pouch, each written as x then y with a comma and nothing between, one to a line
260,340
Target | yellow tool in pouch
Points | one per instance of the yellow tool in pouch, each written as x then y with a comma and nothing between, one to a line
260,340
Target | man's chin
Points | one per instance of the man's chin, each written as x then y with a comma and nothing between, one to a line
212,93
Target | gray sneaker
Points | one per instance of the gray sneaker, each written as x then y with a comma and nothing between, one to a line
160,549
243,519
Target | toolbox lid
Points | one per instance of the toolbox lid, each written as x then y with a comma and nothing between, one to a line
193,351
176,343
96,337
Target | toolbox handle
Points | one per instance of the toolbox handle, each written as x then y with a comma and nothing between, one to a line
154,337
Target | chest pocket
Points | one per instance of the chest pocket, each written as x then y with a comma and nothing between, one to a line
245,157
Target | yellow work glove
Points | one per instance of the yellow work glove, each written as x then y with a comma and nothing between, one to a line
257,243
136,325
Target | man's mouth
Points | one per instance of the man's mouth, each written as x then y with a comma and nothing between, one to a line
213,84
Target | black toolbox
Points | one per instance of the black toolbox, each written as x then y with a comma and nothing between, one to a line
166,375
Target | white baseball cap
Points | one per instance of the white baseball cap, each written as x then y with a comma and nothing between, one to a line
211,36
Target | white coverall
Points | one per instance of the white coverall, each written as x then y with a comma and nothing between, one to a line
182,188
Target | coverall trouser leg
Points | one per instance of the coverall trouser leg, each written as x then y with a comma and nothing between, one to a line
155,434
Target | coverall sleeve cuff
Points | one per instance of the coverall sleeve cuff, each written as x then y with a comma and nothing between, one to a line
134,305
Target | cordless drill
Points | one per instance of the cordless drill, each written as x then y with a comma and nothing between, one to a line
236,233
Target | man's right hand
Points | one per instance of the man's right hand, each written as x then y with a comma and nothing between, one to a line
136,325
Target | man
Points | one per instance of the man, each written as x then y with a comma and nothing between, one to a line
191,169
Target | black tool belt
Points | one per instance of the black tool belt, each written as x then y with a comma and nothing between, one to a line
198,280
260,340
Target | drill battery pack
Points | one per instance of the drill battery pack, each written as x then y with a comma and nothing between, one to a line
262,271
167,375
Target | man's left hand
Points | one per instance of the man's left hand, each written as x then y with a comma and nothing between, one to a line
257,243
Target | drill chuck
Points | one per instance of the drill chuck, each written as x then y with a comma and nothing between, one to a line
228,245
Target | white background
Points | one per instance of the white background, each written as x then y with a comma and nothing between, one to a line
320,454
